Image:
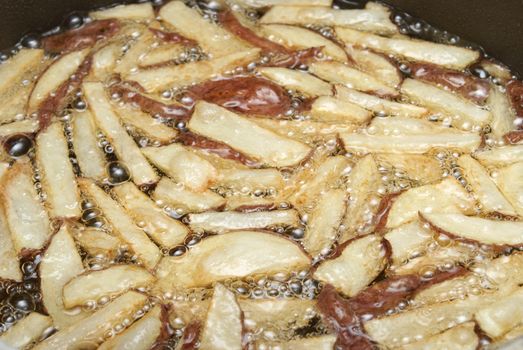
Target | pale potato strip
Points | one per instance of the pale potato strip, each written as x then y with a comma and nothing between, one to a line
500,156
297,80
484,188
60,71
26,331
124,146
27,218
27,126
411,144
240,133
407,241
146,124
461,337
444,55
220,222
510,181
332,109
212,38
463,112
87,333
9,263
122,225
12,71
425,169
502,113
267,3
135,12
501,316
58,179
60,262
130,61
164,230
251,179
13,104
91,158
373,20
96,242
179,197
183,166
162,54
109,282
379,105
240,203
105,60
156,79
375,64
403,126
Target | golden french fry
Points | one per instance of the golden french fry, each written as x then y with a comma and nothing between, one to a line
91,158
500,156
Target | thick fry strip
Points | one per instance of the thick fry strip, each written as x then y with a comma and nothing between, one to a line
85,143
462,337
96,242
130,61
136,12
424,51
502,316
164,230
378,65
407,241
105,60
297,80
27,126
9,264
26,331
245,136
12,71
500,156
251,179
147,252
331,109
509,181
58,180
125,147
502,114
162,54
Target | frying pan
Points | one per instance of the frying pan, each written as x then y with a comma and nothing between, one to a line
496,25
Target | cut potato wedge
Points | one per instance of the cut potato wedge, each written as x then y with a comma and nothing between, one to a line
421,168
324,222
122,225
484,188
136,12
373,20
407,241
142,335
96,242
59,72
500,156
156,79
251,179
178,197
379,105
110,282
59,183
331,109
27,126
60,262
130,61
220,222
465,113
448,196
104,61
85,143
26,217
362,258
90,332
297,80
217,123
375,64
339,73
162,54
502,115
411,144
164,230
232,255
500,317
183,166
212,38
417,50
462,337
125,147
12,71
223,327
300,38
26,331
267,3
477,229
510,181
9,264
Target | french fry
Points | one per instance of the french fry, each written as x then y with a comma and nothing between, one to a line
509,180
501,156
142,335
484,188
331,109
245,136
59,72
422,168
89,332
85,143
177,196
135,12
130,61
463,111
267,3
300,38
125,147
249,203
26,331
105,60
322,342
212,38
502,115
379,105
156,79
372,20
60,262
407,241
500,317
448,196
183,166
297,80
27,219
13,104
324,222
9,264
109,282
363,258
251,179
27,126
223,327
58,178
205,263
417,50
462,337
404,126
375,64
221,222
96,242
476,229
339,73
13,70
122,225
162,54
164,230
